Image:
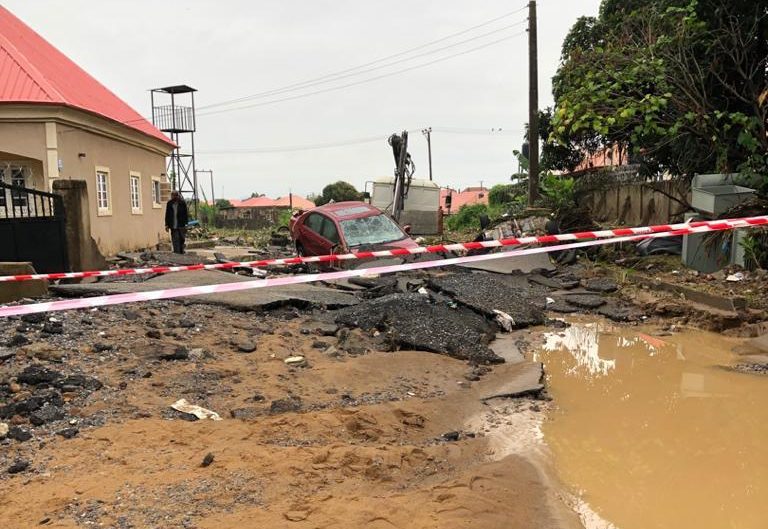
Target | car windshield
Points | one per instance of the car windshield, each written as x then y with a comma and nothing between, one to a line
371,230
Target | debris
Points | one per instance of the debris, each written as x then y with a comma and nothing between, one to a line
68,433
585,301
288,404
506,321
735,278
179,353
245,345
295,361
20,465
35,375
484,293
3,430
451,436
412,321
207,460
201,413
601,284
19,434
16,340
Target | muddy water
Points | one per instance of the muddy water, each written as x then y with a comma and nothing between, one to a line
651,433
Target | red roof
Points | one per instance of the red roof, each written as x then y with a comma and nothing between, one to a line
471,195
33,71
298,202
266,202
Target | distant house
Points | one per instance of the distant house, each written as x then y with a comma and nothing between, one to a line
470,195
57,124
259,212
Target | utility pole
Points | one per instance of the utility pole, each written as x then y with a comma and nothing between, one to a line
533,107
428,133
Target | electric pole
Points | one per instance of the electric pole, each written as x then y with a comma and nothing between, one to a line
428,133
533,107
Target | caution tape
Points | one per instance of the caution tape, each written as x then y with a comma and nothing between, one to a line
399,252
117,299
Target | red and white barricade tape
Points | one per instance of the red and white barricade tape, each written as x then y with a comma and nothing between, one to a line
399,252
116,299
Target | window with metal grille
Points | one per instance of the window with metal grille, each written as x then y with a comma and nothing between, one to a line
102,190
135,194
16,176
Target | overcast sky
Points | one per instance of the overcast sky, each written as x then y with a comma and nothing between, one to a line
231,49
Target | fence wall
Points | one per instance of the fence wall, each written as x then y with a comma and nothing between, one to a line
635,201
249,218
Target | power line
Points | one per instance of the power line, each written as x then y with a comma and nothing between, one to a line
370,63
344,143
363,81
379,67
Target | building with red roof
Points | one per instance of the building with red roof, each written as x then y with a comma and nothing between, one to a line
471,195
58,123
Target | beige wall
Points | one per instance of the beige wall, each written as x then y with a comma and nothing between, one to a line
71,144
120,229
25,142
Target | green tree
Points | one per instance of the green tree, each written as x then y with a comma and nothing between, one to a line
682,84
223,203
338,192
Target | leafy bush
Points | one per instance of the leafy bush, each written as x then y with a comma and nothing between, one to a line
469,217
559,192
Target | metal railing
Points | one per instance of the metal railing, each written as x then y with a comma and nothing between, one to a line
21,202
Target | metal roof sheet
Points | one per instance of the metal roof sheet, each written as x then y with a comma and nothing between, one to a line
33,71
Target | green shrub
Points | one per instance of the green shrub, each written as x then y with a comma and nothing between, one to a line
467,217
559,192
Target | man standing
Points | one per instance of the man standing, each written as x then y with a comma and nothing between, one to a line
176,218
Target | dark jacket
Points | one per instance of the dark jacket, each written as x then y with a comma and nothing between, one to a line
183,214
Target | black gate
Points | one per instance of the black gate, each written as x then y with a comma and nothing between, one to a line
32,228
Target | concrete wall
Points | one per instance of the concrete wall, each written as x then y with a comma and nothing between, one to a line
16,290
82,251
249,218
637,203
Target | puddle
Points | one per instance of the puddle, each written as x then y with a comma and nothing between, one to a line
649,431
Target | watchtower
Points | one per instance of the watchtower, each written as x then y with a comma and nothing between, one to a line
173,111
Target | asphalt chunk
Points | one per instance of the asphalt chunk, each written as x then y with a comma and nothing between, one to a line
413,321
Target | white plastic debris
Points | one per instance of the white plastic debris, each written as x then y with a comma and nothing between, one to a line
201,413
735,278
550,301
423,291
4,429
505,320
295,361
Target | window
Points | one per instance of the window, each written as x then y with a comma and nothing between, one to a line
377,229
135,181
103,203
16,176
315,222
155,192
323,226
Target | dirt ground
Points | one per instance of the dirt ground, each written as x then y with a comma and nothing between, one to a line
356,437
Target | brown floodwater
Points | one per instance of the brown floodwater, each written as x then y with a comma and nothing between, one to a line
651,432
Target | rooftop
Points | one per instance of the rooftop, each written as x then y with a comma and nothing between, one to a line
34,71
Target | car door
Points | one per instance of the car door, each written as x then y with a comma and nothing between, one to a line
312,239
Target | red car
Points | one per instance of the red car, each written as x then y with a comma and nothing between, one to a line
344,227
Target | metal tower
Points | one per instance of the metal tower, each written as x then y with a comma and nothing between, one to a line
176,119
